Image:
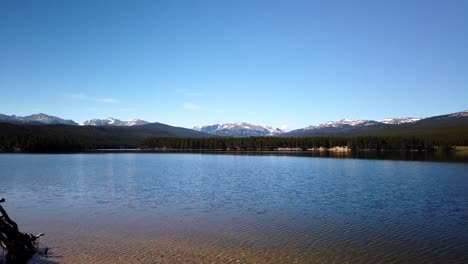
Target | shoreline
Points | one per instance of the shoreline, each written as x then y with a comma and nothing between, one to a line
344,150
456,155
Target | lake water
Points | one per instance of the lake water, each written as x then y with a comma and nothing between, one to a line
206,208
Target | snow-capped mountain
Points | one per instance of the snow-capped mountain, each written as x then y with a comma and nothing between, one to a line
345,126
242,129
36,119
239,129
347,123
114,122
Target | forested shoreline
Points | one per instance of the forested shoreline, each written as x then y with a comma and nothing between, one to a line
351,143
70,143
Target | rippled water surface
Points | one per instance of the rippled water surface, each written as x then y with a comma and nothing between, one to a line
200,208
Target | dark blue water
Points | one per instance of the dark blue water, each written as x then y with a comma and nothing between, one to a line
148,208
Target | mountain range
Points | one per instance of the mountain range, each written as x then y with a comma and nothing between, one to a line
43,133
243,129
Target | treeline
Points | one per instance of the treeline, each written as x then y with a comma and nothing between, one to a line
304,143
58,143
41,144
58,138
64,138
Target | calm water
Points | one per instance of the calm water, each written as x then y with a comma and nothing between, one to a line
200,208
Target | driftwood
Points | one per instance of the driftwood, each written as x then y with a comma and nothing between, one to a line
19,246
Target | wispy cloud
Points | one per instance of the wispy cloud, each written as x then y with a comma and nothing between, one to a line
85,97
191,106
106,100
189,93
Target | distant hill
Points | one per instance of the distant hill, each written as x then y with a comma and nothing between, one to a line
239,129
444,126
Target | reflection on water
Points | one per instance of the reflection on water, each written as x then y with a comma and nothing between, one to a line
166,208
452,156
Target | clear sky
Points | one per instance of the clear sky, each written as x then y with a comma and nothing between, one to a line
188,63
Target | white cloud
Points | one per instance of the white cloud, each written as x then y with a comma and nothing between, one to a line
188,93
106,100
285,128
84,97
191,106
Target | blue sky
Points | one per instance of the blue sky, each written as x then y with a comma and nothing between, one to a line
279,63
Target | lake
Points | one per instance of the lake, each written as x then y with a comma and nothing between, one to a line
208,208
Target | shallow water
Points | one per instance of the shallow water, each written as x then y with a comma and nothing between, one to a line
201,208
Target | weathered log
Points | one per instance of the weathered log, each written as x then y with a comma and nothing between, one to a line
19,246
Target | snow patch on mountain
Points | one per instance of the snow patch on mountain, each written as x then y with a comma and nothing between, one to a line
460,114
40,118
359,123
398,121
110,121
342,123
239,129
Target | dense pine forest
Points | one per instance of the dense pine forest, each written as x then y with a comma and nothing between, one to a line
64,138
